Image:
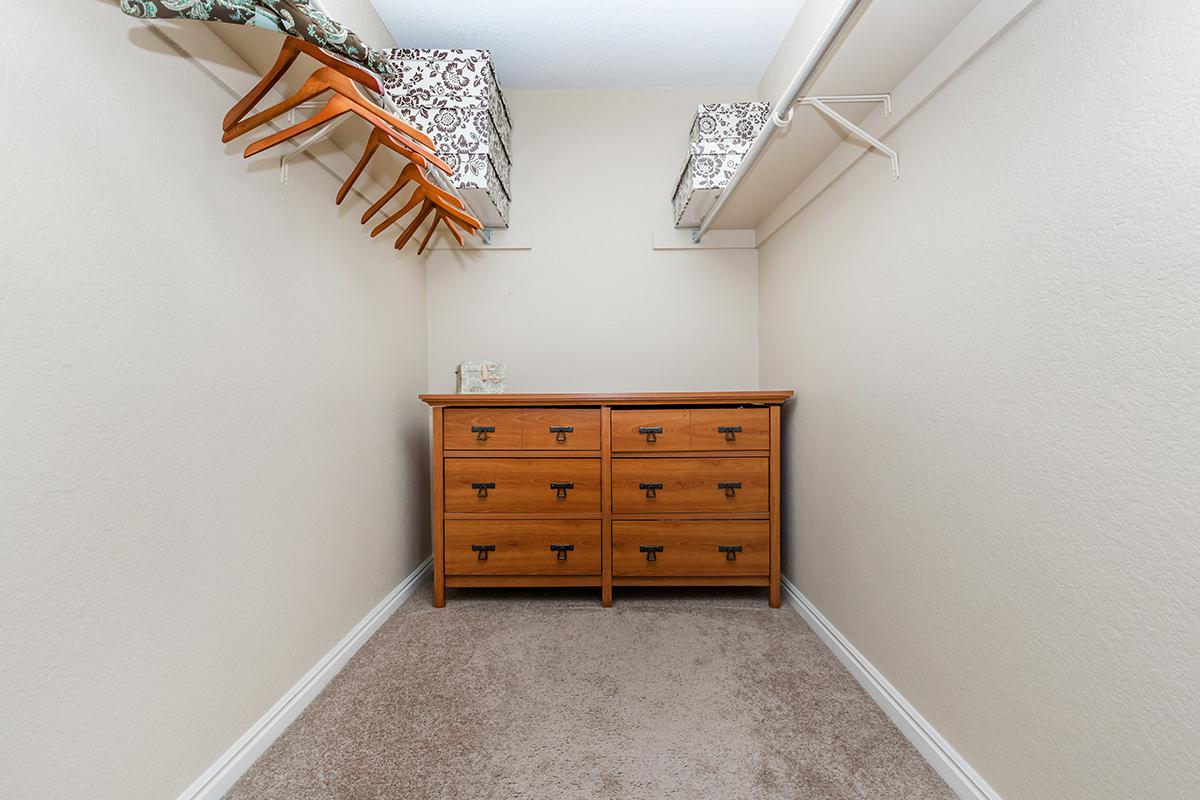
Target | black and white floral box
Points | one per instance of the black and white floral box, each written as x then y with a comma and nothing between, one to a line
463,132
725,122
428,78
721,136
455,97
479,182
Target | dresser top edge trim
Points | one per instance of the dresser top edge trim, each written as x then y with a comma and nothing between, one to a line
771,398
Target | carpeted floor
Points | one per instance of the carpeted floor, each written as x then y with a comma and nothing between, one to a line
544,695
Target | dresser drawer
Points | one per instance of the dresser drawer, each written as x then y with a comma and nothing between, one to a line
654,429
561,429
691,547
731,429
674,485
482,429
522,547
517,485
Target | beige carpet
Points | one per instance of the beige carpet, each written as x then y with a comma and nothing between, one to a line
544,695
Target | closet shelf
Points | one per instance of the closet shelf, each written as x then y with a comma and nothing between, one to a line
350,84
901,58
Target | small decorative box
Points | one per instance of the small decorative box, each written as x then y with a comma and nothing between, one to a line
708,170
729,122
480,377
720,138
454,96
462,131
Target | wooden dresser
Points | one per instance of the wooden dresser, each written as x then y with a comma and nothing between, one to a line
604,490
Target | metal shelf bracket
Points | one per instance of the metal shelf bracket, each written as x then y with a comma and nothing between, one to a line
821,105
320,135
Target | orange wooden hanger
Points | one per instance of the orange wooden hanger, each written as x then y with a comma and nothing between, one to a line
450,225
425,211
407,176
459,215
323,80
380,137
334,107
422,193
291,50
418,197
450,216
439,216
429,234
425,187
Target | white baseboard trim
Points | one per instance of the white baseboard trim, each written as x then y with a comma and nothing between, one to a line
962,779
218,778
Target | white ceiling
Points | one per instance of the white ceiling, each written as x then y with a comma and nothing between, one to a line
544,44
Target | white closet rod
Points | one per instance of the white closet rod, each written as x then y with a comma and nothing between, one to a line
791,94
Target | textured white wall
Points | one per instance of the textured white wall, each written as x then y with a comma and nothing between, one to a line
214,462
993,460
592,306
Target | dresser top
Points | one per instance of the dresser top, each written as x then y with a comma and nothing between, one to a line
610,399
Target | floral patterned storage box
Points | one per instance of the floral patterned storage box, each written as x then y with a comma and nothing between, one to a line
729,122
479,182
450,79
454,96
720,138
462,131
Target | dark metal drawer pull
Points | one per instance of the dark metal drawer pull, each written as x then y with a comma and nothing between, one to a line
560,432
730,551
730,431
730,488
481,431
561,549
650,550
651,434
482,550
651,489
561,487
483,487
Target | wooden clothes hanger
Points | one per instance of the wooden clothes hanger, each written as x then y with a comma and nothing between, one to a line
334,107
450,225
339,77
411,176
426,208
441,214
324,80
288,53
449,206
422,195
380,137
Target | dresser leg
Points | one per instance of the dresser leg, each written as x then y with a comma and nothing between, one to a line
776,512
606,596
439,590
438,508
